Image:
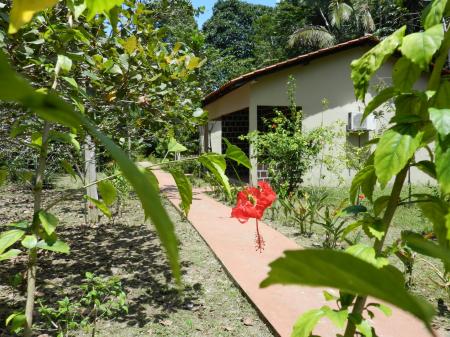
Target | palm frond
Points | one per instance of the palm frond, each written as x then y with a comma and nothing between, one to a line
339,12
312,36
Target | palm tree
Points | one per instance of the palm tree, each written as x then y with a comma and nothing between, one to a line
333,15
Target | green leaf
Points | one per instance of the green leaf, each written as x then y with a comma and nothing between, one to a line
382,97
174,146
380,204
216,165
383,308
442,160
367,254
364,68
68,168
441,120
57,246
427,167
336,269
16,321
29,241
66,137
433,13
3,176
100,6
442,98
427,247
233,152
63,64
436,210
396,147
405,74
420,47
48,221
366,180
364,327
52,108
338,317
184,188
10,254
107,191
71,81
22,12
100,205
9,238
306,323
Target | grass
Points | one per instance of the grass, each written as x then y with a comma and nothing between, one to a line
407,217
209,305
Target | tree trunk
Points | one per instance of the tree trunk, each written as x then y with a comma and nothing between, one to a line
90,177
32,255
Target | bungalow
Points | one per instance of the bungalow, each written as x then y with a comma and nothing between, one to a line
237,107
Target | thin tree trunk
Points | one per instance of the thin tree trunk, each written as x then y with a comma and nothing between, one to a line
32,255
90,177
360,301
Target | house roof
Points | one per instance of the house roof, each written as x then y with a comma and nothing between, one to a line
301,59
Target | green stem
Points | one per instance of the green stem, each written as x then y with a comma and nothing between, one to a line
32,255
378,245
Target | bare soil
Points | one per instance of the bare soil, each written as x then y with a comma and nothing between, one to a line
209,305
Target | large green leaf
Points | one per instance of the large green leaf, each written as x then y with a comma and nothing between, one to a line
436,211
100,6
382,97
184,188
441,120
22,12
29,241
395,149
433,13
52,108
405,74
426,247
233,152
107,191
367,254
427,167
174,146
9,238
100,205
306,323
216,164
420,47
57,246
364,68
443,166
364,179
48,222
336,269
10,254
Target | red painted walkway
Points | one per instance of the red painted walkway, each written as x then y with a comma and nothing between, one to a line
233,244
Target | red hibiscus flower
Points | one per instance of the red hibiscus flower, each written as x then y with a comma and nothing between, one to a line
251,203
361,197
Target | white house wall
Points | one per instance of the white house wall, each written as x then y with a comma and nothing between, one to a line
326,78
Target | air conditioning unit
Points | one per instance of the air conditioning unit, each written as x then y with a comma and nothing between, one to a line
354,122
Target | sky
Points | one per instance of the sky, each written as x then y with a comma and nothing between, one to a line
210,3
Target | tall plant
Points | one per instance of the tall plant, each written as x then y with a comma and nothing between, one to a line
421,121
56,119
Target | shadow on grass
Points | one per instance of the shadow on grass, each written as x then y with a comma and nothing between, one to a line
131,252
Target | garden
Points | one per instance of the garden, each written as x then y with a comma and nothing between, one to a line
97,98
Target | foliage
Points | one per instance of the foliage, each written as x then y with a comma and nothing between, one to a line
285,143
100,298
362,271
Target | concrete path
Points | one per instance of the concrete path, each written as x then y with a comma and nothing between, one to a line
233,244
